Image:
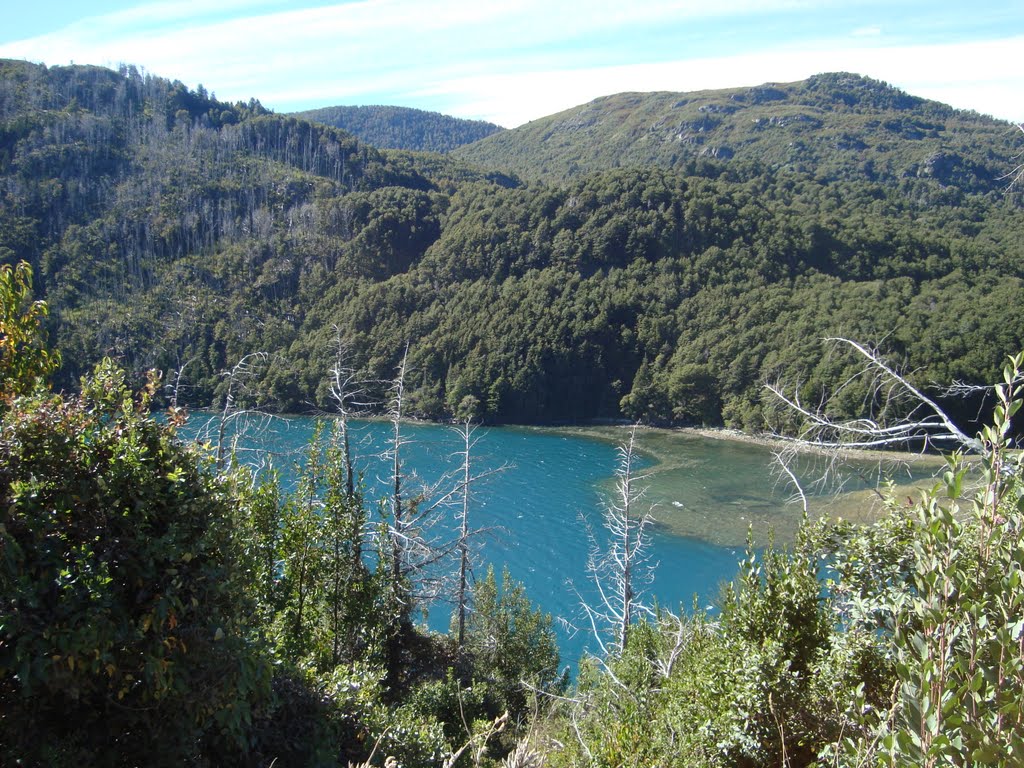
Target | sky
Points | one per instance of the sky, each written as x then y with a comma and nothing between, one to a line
512,61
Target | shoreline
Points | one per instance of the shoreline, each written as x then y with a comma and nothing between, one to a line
604,432
612,431
602,429
765,441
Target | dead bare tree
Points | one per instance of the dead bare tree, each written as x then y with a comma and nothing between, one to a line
462,593
911,418
418,541
350,401
175,385
467,435
181,326
400,526
621,570
462,596
237,377
347,514
902,417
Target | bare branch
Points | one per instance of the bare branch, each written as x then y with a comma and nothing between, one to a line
875,361
900,415
466,431
784,465
1016,175
923,421
665,666
245,369
176,386
420,538
621,570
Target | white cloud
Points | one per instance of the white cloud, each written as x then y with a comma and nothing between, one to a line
168,34
169,12
979,76
497,61
256,53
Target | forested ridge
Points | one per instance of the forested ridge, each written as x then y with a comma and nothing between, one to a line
402,127
170,230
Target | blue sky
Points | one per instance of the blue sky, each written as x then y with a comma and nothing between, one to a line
512,61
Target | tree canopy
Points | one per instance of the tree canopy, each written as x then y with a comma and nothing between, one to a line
169,230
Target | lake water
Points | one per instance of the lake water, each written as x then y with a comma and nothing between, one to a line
706,493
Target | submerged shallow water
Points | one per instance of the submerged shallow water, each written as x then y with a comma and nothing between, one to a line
541,511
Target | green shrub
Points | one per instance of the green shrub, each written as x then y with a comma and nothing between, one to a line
510,643
24,359
123,627
949,604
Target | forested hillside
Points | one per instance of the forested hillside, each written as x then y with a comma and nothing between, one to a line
402,127
833,126
171,230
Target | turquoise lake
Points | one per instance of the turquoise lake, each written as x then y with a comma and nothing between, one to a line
537,511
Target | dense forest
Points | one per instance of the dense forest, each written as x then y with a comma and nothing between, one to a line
402,128
169,230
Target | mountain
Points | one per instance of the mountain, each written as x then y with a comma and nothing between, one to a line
174,231
402,127
167,228
833,126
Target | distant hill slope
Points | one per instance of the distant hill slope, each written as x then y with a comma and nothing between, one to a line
403,128
834,126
